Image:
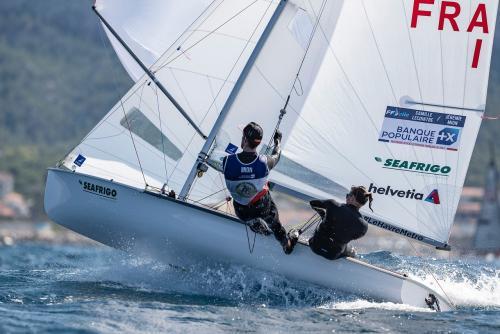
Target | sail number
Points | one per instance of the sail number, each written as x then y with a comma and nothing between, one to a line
448,14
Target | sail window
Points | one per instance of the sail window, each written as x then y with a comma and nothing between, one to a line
141,126
301,28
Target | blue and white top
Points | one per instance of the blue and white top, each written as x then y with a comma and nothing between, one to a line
247,183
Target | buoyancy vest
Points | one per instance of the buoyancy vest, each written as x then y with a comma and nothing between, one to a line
247,183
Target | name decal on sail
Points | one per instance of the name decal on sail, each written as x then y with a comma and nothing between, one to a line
433,197
415,166
392,228
422,128
449,12
96,189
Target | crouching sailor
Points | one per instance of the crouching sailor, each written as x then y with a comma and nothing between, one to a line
341,223
246,176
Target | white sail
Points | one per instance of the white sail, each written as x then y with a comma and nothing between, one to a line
199,71
148,27
294,47
397,106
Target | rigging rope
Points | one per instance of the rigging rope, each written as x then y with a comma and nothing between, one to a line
431,273
161,136
303,227
297,79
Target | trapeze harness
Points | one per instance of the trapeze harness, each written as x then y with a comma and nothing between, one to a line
341,224
247,183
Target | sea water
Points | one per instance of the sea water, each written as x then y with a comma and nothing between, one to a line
94,289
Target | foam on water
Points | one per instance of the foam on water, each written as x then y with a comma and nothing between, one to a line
481,291
365,304
466,284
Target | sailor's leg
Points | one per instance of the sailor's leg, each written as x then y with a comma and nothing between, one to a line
272,219
244,212
325,248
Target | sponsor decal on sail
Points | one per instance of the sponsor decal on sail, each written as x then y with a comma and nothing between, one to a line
392,228
98,190
80,159
231,148
422,128
414,166
433,197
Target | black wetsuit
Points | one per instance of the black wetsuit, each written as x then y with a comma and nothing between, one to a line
341,224
265,207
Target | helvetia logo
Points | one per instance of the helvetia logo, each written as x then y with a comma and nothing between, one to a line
98,190
433,197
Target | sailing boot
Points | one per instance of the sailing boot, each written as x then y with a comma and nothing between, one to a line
292,239
259,225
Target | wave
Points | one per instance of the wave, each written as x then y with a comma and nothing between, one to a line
467,284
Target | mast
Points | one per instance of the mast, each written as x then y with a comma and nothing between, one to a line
199,164
150,74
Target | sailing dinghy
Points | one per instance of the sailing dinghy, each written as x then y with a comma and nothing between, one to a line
387,94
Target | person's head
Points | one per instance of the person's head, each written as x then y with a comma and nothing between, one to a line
358,196
252,136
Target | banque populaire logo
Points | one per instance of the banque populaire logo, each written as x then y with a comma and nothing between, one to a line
422,128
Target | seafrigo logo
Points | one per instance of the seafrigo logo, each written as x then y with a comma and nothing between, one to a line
414,166
433,197
98,190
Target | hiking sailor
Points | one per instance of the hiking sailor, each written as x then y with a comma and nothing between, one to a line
341,223
246,176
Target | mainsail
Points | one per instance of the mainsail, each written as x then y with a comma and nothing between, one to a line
397,107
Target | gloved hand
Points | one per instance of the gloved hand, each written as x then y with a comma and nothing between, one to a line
277,136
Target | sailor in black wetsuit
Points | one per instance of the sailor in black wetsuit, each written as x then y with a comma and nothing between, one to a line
246,176
341,223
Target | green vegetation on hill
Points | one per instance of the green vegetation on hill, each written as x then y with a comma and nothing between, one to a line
59,76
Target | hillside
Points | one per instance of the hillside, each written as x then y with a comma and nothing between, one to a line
59,76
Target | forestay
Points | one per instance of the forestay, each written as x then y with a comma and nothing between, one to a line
397,107
144,140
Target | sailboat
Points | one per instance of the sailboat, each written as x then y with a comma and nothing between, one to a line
387,94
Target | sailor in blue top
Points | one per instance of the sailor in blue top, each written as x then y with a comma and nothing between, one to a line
246,176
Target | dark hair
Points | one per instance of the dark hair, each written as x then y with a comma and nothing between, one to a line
362,196
253,133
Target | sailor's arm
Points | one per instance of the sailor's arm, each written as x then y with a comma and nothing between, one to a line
272,160
360,228
218,165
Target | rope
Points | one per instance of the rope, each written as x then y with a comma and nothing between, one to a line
204,198
206,36
161,135
283,110
133,144
250,248
303,227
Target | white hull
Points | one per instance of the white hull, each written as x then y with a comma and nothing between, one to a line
181,234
